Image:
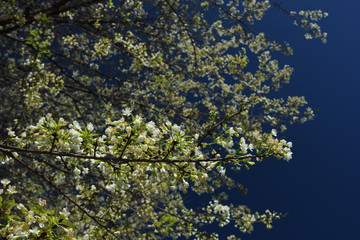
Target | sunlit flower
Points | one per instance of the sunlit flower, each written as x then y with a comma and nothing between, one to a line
274,132
65,212
11,134
77,125
176,128
231,131
77,172
288,156
111,187
35,231
12,189
21,206
126,112
150,125
90,126
5,181
137,120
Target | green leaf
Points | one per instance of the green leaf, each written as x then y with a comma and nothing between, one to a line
15,217
29,40
37,209
246,166
10,204
67,223
56,211
34,33
45,19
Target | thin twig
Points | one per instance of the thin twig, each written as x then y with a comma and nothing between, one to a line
109,159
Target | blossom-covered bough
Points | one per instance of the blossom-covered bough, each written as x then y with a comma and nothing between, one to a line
113,111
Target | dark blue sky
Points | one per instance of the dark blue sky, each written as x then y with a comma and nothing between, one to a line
320,186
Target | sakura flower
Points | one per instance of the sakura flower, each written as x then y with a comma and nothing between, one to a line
11,134
11,189
90,126
5,181
137,120
76,125
126,112
150,125
274,132
35,231
231,131
111,187
65,212
77,172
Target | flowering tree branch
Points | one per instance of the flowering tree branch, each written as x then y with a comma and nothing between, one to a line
125,108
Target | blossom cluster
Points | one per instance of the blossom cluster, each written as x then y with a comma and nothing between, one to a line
133,144
149,100
18,221
307,20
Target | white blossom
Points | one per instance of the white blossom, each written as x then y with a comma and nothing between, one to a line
90,126
34,230
137,120
76,125
65,212
5,181
11,189
274,132
231,131
11,134
126,112
77,172
111,187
